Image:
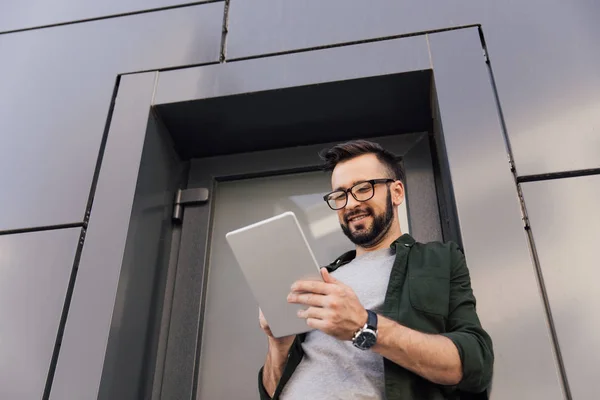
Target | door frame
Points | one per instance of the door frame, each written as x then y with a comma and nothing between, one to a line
186,307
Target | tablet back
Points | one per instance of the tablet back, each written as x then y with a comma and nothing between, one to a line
272,255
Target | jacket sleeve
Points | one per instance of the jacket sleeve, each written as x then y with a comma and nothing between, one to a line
464,329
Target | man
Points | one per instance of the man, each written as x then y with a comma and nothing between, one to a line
394,319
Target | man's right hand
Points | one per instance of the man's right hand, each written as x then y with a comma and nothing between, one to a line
276,356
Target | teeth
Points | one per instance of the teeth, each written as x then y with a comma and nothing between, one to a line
357,218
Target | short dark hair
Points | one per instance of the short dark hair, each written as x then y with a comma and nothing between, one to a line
349,150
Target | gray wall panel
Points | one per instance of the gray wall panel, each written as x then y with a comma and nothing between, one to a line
541,51
496,248
311,23
82,354
293,70
55,94
565,223
20,14
34,275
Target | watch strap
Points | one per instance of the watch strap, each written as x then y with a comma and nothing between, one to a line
371,320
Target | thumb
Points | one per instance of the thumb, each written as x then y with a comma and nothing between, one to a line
327,276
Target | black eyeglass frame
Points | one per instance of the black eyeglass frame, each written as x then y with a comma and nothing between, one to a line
373,182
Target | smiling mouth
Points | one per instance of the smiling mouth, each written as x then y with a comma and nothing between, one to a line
357,218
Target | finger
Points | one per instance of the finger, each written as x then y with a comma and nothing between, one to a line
262,321
261,315
327,277
313,287
313,312
309,299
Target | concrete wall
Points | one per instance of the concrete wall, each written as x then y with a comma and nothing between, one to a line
60,64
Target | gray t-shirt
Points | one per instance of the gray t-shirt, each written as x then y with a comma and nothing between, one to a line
334,369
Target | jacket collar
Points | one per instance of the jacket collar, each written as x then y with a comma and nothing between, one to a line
403,241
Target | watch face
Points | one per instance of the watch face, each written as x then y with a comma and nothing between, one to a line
366,339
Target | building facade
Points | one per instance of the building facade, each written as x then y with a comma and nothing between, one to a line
134,134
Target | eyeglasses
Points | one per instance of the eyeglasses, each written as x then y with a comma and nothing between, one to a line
362,191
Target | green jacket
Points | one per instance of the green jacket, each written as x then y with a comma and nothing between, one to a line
430,291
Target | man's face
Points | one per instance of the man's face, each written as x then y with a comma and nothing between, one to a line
364,223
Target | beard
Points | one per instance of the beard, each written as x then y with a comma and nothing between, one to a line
371,236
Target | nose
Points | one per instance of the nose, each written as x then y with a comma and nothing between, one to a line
352,202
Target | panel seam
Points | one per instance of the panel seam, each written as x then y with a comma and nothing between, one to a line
41,228
110,16
224,33
351,43
558,175
63,317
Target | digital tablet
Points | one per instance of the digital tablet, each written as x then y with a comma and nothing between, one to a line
272,255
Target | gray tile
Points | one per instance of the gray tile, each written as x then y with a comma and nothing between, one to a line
34,275
548,82
263,26
32,13
55,96
565,222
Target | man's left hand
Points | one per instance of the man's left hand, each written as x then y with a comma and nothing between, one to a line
333,308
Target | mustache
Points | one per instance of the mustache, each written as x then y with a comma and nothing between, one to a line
354,213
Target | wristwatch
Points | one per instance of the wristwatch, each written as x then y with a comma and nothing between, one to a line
366,337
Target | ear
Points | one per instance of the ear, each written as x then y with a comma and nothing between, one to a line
397,191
